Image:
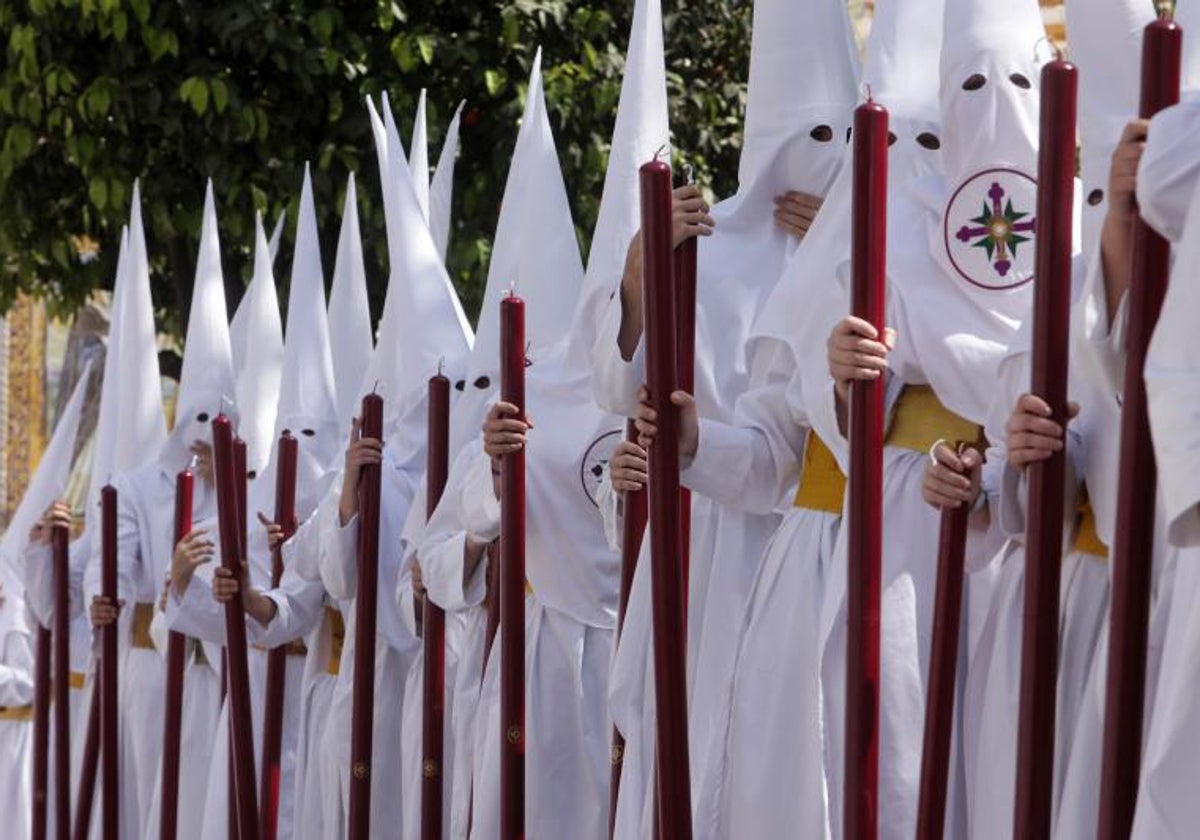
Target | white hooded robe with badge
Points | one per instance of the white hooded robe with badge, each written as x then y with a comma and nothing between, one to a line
145,541
1168,181
793,141
34,562
571,571
955,304
423,325
777,772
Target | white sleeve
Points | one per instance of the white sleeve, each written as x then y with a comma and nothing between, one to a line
39,582
1173,390
753,465
443,546
609,502
197,613
16,670
1100,347
615,380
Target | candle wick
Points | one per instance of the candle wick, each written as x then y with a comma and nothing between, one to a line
195,459
664,149
441,361
866,92
375,387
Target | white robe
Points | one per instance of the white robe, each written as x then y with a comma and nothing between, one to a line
145,541
1166,808
39,598
569,617
395,648
16,736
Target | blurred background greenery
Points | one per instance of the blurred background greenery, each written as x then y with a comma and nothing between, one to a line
95,93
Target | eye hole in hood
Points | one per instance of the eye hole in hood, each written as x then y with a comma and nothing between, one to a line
974,82
822,134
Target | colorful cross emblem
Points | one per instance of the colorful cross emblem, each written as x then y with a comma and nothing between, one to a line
998,230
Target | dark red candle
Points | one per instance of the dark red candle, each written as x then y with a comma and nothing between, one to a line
109,696
286,454
943,674
229,519
185,483
512,581
43,653
666,554
865,480
1133,542
1043,535
88,767
60,539
633,528
362,719
433,624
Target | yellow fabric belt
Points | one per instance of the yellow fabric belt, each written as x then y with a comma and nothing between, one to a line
822,485
337,639
1087,541
16,712
295,647
76,680
143,615
920,420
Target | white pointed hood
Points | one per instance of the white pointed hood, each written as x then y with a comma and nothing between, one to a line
803,80
349,313
307,400
131,428
207,384
640,130
902,71
49,482
257,320
534,252
1106,45
423,324
442,189
996,122
418,156
1187,15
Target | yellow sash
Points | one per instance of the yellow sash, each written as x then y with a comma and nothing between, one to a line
143,615
822,485
1087,541
16,712
920,420
337,638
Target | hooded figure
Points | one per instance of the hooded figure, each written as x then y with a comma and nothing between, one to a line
1167,186
32,561
956,299
256,335
792,142
145,542
571,570
423,327
418,162
16,698
771,443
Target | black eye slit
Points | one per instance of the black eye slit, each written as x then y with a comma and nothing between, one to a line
460,385
286,432
849,131
252,474
307,432
822,134
929,140
528,362
1095,197
482,382
891,138
1020,81
202,416
974,82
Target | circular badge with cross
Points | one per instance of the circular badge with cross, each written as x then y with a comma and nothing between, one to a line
990,228
595,461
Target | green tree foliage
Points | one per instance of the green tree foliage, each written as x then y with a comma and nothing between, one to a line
95,93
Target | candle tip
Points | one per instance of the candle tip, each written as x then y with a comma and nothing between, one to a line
867,93
663,150
192,463
375,388
441,362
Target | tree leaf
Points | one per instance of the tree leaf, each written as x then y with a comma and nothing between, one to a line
98,192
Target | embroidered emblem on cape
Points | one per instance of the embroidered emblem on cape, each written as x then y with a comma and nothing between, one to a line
990,228
595,462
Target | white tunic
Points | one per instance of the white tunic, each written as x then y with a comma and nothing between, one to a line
16,736
569,617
